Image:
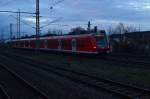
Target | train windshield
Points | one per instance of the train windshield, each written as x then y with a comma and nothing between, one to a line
101,41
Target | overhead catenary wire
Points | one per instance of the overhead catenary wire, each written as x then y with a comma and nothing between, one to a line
6,11
28,24
54,21
58,2
33,13
23,22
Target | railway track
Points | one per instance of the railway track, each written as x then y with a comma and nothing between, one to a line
15,82
3,93
131,55
128,61
119,89
125,59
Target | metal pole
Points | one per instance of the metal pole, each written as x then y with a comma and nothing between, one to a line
89,26
37,23
2,35
19,23
17,26
11,31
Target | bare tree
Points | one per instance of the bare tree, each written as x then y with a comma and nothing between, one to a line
131,29
110,30
121,28
77,30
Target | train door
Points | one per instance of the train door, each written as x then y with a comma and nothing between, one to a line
74,45
24,44
46,44
29,44
59,44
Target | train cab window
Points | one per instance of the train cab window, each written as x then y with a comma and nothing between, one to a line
101,41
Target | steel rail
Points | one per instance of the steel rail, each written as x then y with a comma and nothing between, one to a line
4,93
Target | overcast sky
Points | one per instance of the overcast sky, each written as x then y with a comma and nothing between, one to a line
72,13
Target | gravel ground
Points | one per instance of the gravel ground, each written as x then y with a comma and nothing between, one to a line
58,87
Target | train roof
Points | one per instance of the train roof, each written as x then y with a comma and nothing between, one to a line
56,37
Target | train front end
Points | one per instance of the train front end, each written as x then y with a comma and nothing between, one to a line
102,44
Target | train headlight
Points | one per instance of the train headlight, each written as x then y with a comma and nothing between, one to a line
94,47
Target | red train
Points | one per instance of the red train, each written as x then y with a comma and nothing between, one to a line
84,43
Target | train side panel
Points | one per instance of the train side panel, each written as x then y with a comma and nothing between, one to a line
66,44
85,44
32,44
52,44
77,44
